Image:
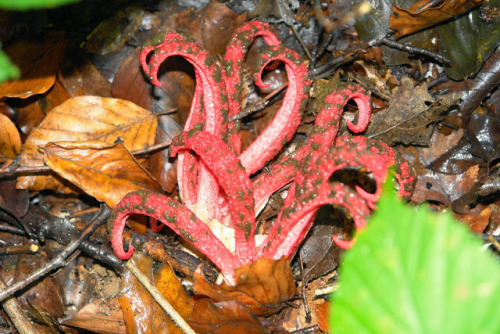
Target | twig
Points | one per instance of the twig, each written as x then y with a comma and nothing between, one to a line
59,260
153,148
258,106
23,249
4,173
16,314
411,49
160,299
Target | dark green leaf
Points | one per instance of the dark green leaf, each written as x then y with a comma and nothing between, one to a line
32,4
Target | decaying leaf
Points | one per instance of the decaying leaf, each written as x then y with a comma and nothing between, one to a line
143,315
98,317
10,140
38,62
410,116
105,172
87,118
426,13
263,286
111,35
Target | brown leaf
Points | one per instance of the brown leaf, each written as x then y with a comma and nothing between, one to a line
103,317
161,165
214,25
142,315
12,199
321,313
424,14
136,302
263,286
105,172
410,115
129,83
87,118
31,111
229,317
10,140
477,219
80,77
38,61
112,34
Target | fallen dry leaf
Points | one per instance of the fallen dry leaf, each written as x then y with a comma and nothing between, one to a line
321,313
32,111
80,77
229,317
425,13
86,118
129,83
105,172
142,315
10,140
38,61
102,317
410,116
263,285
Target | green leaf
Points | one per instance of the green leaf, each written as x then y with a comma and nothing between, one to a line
414,271
7,69
32,4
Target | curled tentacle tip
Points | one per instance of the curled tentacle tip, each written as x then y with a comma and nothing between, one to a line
370,198
155,227
344,244
120,252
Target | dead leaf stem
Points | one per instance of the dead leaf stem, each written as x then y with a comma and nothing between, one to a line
172,313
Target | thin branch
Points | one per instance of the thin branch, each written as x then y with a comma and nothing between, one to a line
17,315
160,299
59,260
414,50
258,106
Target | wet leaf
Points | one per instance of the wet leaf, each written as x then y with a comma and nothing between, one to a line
129,83
38,61
410,116
426,13
87,118
80,77
479,145
10,140
112,35
162,166
263,286
102,317
31,111
415,271
105,172
460,43
12,199
318,252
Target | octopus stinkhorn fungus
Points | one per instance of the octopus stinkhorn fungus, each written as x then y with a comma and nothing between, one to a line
214,175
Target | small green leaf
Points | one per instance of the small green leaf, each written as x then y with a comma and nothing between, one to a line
7,69
32,4
414,271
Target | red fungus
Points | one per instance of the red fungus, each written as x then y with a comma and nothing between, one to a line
214,177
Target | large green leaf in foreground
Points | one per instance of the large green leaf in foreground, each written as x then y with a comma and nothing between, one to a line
32,4
413,271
